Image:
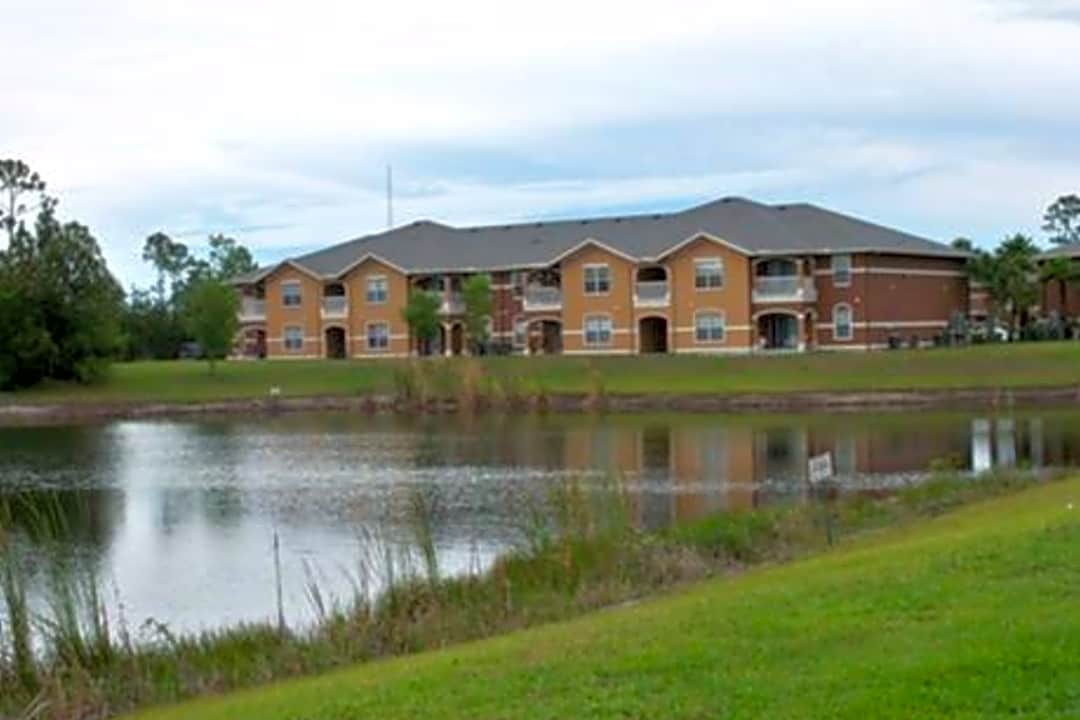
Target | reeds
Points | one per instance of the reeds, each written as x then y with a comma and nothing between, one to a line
581,550
467,384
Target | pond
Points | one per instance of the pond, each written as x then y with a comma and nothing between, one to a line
180,517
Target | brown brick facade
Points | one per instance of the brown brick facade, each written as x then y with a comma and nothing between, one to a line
899,298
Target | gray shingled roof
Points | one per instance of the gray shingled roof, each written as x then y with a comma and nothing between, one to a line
752,227
1067,251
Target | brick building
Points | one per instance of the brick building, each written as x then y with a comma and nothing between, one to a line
729,276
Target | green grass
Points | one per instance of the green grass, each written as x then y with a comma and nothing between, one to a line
988,366
969,615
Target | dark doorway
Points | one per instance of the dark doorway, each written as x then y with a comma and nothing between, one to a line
457,339
335,343
652,333
548,340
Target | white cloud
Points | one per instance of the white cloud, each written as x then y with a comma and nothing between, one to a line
196,116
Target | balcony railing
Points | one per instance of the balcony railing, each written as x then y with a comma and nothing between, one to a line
652,293
335,306
453,304
543,297
252,309
784,288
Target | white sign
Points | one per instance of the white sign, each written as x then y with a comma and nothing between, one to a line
820,467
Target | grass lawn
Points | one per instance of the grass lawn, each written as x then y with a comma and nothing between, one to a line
1021,365
970,615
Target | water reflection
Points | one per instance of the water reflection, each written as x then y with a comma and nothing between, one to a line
181,515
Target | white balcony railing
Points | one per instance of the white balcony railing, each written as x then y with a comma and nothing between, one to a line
543,297
335,306
784,288
252,309
652,293
453,304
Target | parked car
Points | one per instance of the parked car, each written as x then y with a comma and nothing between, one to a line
189,351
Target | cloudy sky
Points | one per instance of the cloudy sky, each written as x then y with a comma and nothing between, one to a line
274,122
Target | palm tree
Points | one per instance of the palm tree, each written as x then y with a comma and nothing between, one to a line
1008,274
1014,278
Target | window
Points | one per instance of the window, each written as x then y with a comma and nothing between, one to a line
709,327
709,274
841,270
376,289
521,333
294,339
841,317
597,279
290,294
378,336
597,330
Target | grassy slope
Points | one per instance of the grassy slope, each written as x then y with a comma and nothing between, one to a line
972,615
1027,365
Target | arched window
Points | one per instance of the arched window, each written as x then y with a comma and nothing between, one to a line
842,324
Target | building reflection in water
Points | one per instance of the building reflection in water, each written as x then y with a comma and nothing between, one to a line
681,472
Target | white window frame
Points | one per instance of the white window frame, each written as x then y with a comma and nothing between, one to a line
841,272
285,338
368,337
709,340
598,317
598,268
850,324
697,273
299,294
371,280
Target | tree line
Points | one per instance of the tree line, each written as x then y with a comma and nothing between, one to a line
64,316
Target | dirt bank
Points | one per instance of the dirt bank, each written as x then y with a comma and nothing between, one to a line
970,399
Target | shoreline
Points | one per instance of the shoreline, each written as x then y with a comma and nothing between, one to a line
26,414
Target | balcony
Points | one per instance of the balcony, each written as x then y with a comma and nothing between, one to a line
784,288
452,304
252,310
542,297
652,293
335,306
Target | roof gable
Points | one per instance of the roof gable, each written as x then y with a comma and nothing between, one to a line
744,226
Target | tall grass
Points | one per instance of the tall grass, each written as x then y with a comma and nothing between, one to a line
468,383
582,551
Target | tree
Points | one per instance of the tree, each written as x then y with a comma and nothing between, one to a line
171,259
17,180
229,259
61,307
1063,271
26,350
1009,276
1013,278
1062,220
210,312
421,314
964,244
476,293
151,329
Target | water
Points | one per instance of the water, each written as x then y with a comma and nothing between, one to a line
179,516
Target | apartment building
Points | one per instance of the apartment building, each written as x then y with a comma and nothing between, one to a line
729,276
